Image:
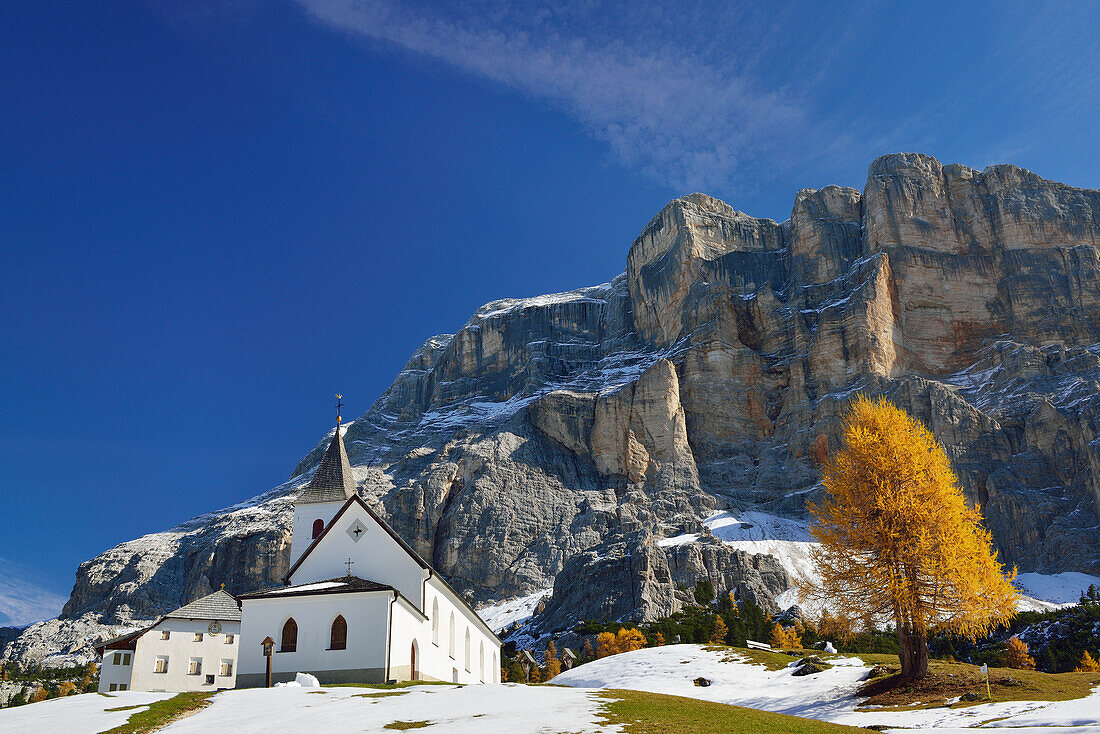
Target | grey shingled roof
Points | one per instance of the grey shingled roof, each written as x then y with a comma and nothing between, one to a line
332,482
220,605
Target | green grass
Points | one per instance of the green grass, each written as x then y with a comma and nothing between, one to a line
770,659
380,694
656,713
402,725
161,713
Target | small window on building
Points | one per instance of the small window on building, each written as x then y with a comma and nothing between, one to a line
161,665
195,667
198,637
165,634
113,687
226,669
289,642
123,686
117,659
338,637
318,527
229,639
209,680
126,659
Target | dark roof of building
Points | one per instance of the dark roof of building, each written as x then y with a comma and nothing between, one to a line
122,642
220,606
342,585
332,482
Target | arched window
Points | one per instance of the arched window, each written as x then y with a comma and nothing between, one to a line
481,660
451,639
338,637
290,636
414,673
495,670
318,527
435,621
467,650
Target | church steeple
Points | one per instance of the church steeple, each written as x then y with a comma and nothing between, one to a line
332,482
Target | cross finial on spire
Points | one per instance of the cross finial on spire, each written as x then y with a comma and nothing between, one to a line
349,563
339,404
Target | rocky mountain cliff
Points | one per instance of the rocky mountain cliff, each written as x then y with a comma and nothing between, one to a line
593,441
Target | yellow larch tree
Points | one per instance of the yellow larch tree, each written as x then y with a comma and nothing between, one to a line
1088,664
897,543
718,636
1017,655
551,665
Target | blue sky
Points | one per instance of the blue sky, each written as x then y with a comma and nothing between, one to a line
217,214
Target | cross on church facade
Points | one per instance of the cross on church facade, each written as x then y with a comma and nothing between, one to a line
349,563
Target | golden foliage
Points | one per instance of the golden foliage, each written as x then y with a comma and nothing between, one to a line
1088,664
718,636
783,638
658,639
625,640
551,666
1016,655
897,542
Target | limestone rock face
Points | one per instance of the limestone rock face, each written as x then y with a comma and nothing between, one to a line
583,441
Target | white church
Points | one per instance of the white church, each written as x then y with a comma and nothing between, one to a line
359,605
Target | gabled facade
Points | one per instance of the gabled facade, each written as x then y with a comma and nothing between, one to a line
359,604
193,648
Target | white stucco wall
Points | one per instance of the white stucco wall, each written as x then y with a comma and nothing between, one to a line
376,556
438,656
302,529
367,617
180,648
114,674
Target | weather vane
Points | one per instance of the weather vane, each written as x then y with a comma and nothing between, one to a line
339,404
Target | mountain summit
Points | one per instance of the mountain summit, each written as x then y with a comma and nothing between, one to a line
621,442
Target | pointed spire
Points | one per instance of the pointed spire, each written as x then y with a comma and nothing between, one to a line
332,482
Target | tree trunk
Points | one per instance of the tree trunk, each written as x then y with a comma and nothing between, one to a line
914,652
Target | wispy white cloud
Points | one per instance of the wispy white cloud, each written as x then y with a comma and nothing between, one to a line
23,601
689,111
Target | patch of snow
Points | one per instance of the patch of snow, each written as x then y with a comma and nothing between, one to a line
504,614
475,709
1057,588
309,587
83,714
827,696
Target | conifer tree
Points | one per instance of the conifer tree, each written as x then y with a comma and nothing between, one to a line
784,638
658,639
1016,655
551,666
587,653
897,542
1088,664
718,636
605,645
628,640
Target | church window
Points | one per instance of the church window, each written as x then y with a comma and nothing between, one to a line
198,637
318,527
162,664
451,639
227,668
290,636
165,634
194,666
481,661
338,638
466,657
435,621
229,639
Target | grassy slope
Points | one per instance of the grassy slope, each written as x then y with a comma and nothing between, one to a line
161,713
945,680
656,713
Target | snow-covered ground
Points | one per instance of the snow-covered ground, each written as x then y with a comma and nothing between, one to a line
84,714
450,709
503,615
1058,588
828,695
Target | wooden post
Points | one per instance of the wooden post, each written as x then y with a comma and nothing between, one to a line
269,646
